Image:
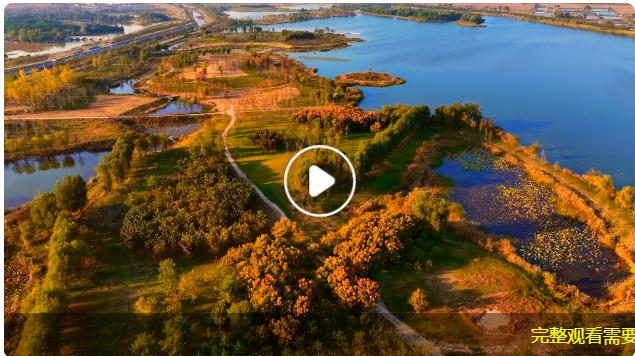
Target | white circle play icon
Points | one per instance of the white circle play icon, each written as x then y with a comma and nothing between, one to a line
320,180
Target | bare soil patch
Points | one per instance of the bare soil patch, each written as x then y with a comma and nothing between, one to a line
217,67
104,106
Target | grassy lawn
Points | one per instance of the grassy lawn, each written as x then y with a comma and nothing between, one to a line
266,169
461,278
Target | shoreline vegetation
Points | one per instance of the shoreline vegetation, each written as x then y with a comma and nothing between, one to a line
369,79
450,15
423,14
564,23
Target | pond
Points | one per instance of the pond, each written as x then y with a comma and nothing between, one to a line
179,107
26,178
570,90
174,131
502,200
124,88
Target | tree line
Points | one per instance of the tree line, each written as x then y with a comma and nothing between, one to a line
51,215
48,89
374,150
38,28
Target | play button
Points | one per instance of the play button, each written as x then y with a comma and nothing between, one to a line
319,181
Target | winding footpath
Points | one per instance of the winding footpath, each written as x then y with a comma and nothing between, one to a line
405,332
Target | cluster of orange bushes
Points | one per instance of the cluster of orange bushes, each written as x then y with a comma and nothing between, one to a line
374,237
343,119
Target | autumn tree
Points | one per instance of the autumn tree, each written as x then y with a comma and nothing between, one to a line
418,300
624,198
374,238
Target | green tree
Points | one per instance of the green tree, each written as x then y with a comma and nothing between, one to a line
430,208
44,210
62,254
167,276
71,194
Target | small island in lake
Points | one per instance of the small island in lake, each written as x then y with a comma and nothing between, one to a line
369,79
471,20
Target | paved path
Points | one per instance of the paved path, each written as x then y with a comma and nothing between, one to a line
405,332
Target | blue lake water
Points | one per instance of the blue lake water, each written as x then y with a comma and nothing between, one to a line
25,179
572,91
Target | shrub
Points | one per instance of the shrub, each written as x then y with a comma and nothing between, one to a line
418,300
267,139
44,210
429,208
602,183
144,345
624,197
71,194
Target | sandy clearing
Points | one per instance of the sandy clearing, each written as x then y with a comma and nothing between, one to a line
255,99
217,67
104,106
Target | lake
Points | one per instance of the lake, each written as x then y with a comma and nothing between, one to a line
570,90
26,178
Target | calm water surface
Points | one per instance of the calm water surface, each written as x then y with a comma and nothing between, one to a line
545,238
123,88
179,107
573,91
24,179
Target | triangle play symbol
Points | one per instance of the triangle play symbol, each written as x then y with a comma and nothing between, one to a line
319,181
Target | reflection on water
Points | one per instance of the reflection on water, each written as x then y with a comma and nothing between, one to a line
505,202
123,88
179,107
26,178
